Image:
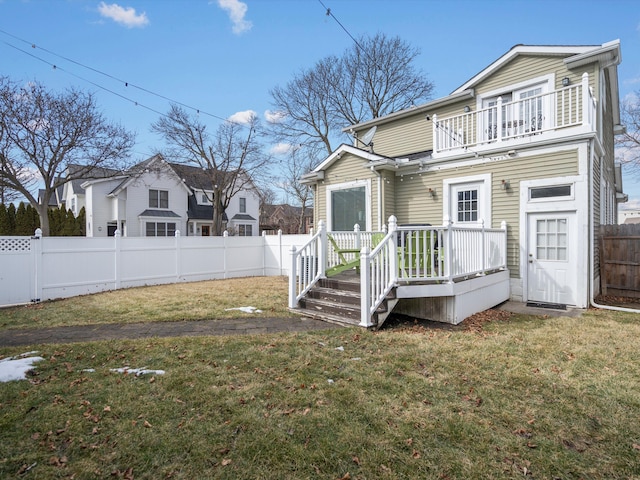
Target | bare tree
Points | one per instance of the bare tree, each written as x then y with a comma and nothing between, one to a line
232,157
375,77
298,165
378,78
305,113
42,133
628,144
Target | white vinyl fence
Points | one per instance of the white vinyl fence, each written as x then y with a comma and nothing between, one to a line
43,268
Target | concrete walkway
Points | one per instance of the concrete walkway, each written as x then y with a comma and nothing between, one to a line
229,326
89,333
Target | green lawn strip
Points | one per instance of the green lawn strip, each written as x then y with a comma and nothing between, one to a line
175,302
550,398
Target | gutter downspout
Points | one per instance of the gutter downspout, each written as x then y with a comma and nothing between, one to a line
592,302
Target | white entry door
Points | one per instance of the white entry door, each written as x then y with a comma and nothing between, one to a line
551,258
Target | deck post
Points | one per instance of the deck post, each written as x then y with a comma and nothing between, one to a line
393,254
448,256
587,119
483,247
292,277
365,288
322,249
503,226
436,138
356,230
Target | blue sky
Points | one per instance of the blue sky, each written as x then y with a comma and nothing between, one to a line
223,56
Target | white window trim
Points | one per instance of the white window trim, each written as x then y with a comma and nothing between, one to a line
484,206
343,186
547,81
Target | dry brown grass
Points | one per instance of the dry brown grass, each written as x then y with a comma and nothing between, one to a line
182,301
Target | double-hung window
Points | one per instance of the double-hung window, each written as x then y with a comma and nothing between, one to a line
243,205
160,229
158,199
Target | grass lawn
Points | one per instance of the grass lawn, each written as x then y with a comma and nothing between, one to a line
182,301
527,396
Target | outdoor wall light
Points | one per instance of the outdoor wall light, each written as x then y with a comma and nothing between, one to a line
506,184
467,109
432,192
566,82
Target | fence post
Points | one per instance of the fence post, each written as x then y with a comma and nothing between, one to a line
225,236
178,247
117,238
292,277
365,288
280,250
36,257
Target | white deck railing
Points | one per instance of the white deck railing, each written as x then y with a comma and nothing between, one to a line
415,254
571,106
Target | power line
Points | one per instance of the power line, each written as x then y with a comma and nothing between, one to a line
112,77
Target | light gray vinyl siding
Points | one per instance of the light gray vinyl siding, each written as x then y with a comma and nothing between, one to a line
415,205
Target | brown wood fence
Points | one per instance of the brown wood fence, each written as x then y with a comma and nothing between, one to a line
620,260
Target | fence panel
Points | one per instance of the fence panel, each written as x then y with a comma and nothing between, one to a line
620,260
16,270
62,267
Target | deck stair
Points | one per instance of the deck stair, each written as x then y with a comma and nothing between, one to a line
337,300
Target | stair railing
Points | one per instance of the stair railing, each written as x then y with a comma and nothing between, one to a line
308,265
378,273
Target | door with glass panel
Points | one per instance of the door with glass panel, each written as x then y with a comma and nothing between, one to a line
551,258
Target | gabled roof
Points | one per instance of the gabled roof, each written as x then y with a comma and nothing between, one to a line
318,172
517,50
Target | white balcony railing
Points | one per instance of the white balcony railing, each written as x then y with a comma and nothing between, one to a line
572,106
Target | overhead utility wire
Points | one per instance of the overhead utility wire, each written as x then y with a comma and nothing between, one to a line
329,13
126,84
56,67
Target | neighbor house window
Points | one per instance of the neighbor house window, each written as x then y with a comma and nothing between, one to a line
161,229
245,230
243,205
158,199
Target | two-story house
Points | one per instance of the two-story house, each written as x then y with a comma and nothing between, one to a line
157,198
528,141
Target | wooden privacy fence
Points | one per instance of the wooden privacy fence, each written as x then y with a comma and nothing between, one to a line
620,260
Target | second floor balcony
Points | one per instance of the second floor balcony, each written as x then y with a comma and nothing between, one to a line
566,111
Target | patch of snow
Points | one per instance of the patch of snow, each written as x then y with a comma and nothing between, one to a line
355,359
137,371
16,368
340,349
88,370
330,381
245,309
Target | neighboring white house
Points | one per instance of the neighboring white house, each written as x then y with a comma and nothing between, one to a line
156,198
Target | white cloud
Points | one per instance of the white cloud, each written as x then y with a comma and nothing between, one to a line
126,16
274,117
281,149
244,117
237,11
